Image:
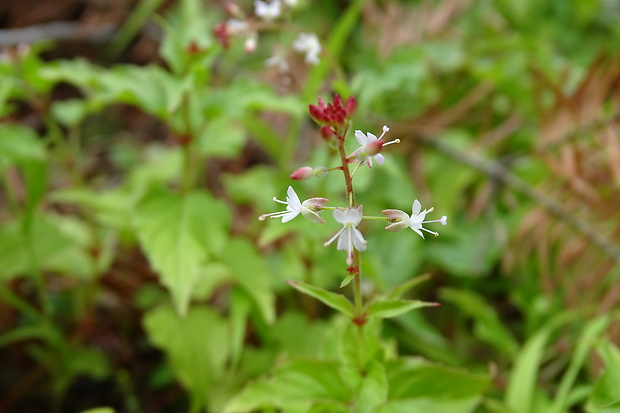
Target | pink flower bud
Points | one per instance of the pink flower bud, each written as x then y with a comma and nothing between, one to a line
302,173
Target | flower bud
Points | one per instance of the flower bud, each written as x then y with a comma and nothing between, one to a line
302,173
327,133
351,107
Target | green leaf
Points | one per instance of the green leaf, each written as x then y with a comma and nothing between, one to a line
402,288
414,378
39,243
393,308
169,227
99,410
19,143
373,390
426,404
488,326
249,270
523,377
336,301
197,346
590,333
605,394
297,385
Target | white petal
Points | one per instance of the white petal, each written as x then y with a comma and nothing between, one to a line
340,216
358,240
344,241
355,216
370,138
292,198
288,216
417,206
361,138
379,158
418,231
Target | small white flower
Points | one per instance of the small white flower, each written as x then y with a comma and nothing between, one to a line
309,208
371,146
349,236
309,44
267,11
400,220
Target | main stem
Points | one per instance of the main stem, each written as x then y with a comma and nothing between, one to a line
348,180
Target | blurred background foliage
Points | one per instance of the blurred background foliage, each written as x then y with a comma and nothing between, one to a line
136,154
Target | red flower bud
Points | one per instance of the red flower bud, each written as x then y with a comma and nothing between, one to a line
327,132
350,107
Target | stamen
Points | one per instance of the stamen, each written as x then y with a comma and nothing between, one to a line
334,237
391,142
272,215
430,232
385,130
277,200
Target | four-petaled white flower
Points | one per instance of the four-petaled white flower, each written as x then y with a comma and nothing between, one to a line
309,44
267,11
349,236
371,146
400,220
309,208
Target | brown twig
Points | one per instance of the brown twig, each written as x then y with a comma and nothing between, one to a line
500,173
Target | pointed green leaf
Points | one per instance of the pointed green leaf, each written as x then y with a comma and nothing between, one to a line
167,226
336,301
393,308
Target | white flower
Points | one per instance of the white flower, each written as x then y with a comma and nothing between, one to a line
290,3
267,11
349,236
309,208
400,220
371,146
309,44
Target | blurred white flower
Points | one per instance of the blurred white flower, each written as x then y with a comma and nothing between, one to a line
308,43
267,11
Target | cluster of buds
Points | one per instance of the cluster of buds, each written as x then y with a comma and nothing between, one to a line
335,118
266,12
